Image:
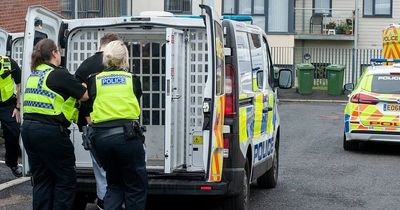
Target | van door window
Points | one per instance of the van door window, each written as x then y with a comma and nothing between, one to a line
219,37
268,63
244,61
257,60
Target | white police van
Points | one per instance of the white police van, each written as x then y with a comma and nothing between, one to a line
198,114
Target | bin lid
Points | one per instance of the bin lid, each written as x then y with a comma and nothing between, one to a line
335,67
305,66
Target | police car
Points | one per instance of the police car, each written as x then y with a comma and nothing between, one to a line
373,110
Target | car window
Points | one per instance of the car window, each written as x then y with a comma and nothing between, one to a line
257,59
244,61
220,59
386,84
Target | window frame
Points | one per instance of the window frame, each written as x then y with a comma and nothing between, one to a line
180,11
330,8
290,29
377,15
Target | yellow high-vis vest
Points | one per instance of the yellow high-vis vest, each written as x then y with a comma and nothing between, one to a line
6,84
40,99
115,98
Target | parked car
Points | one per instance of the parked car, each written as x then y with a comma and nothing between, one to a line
373,110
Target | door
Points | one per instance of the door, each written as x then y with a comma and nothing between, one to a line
40,23
174,142
3,41
214,97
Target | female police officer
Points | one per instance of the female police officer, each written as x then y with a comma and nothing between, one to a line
117,145
49,106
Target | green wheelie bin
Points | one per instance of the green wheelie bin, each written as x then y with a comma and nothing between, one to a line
305,78
335,79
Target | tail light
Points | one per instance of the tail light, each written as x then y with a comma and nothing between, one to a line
360,98
230,86
226,147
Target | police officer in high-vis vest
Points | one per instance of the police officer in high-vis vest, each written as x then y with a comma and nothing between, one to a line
117,136
50,106
10,74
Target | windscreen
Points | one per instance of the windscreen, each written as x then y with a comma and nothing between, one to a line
386,84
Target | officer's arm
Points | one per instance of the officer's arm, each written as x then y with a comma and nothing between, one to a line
85,96
18,95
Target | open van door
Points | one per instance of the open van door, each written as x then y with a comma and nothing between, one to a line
174,146
17,47
214,97
39,23
3,42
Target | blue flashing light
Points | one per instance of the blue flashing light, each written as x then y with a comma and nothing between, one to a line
189,16
382,60
238,17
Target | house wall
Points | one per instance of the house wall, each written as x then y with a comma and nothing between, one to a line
12,15
370,29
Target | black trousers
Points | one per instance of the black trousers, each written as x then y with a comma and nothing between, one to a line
52,163
11,131
124,163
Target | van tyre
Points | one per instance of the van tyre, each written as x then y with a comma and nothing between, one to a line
241,201
349,145
270,178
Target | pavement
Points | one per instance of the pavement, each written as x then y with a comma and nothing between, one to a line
317,95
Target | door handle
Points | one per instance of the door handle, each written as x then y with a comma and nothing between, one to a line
267,109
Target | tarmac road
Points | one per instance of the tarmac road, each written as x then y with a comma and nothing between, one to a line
314,173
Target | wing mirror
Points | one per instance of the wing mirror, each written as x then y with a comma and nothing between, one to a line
285,79
349,87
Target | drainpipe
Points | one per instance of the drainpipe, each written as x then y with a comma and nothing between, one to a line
355,48
76,9
304,16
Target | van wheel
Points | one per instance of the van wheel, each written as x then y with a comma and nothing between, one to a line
270,178
241,201
349,145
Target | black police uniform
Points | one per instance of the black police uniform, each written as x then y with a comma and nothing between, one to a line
122,158
51,153
11,128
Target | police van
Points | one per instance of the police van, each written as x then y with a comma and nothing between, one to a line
209,100
11,45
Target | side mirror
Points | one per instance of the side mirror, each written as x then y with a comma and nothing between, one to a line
349,87
285,79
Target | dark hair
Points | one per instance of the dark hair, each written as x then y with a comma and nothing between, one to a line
42,52
107,38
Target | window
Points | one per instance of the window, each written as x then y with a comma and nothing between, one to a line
322,6
277,15
385,84
244,60
178,6
220,59
257,59
378,8
278,20
93,8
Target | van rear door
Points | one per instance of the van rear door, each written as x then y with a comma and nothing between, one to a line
214,97
174,146
39,23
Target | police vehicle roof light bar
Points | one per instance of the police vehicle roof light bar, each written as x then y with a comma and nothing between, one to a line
238,17
382,60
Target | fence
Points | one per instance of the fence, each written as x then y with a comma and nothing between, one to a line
354,60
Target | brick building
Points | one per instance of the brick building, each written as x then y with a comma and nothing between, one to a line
12,15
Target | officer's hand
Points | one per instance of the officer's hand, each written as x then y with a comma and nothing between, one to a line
17,115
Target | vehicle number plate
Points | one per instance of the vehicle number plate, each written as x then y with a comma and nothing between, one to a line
392,107
197,140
